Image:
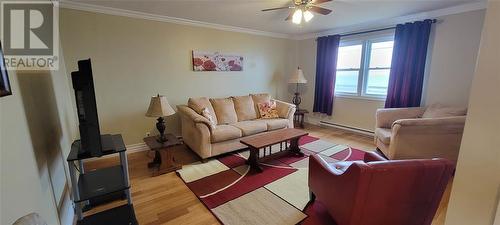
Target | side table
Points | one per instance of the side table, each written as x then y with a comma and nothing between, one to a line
164,161
298,117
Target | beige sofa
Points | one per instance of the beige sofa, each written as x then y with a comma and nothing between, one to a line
409,133
236,117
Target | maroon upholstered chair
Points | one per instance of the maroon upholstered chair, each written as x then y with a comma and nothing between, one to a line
380,192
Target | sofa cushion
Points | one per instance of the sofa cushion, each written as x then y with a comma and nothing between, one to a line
275,124
251,127
259,98
245,108
384,135
224,133
439,110
224,110
198,104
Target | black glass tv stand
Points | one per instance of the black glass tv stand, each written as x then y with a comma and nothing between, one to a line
97,184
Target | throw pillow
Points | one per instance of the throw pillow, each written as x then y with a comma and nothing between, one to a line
439,110
260,98
206,113
268,110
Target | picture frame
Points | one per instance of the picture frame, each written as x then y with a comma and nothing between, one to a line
5,88
216,61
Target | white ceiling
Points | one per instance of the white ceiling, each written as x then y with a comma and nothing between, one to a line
247,14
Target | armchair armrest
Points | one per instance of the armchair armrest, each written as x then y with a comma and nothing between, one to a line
438,122
373,157
385,117
428,126
330,187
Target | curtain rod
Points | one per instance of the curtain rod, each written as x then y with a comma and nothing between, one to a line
375,30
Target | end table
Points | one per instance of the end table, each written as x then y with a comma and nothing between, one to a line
164,161
298,117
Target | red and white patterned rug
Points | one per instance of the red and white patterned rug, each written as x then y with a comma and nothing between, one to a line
278,195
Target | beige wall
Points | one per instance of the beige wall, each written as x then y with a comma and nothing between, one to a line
134,59
454,45
474,196
36,126
452,55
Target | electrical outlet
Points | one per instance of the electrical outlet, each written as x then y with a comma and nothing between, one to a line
148,134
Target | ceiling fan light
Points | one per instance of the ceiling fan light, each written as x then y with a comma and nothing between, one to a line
297,16
308,16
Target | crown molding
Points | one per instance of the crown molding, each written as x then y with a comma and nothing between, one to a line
155,17
357,27
396,20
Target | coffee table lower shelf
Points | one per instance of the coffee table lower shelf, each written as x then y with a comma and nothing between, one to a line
267,140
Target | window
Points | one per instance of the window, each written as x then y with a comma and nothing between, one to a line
348,67
363,67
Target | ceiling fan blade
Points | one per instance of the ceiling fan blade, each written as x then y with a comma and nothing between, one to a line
320,10
317,2
286,7
289,17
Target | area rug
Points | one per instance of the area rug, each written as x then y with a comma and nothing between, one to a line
277,196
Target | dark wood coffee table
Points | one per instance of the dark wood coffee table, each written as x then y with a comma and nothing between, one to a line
287,138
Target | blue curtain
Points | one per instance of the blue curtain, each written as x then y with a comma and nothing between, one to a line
408,64
326,66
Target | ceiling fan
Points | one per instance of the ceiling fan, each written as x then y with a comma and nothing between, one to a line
303,9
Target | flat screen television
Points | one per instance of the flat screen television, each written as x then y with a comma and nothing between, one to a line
92,142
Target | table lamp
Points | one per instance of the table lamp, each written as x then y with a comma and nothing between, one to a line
159,107
297,78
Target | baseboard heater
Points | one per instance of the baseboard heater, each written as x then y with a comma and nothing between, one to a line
344,127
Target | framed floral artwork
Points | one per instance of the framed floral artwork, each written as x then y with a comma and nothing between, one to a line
216,61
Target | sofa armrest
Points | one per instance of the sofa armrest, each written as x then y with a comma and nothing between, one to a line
385,117
192,115
195,131
286,111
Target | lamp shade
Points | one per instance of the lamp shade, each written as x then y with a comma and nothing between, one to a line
159,107
298,77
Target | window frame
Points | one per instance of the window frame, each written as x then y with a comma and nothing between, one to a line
366,41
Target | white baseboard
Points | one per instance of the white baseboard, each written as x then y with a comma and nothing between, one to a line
322,122
139,147
348,128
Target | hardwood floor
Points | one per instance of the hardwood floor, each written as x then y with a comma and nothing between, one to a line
166,199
